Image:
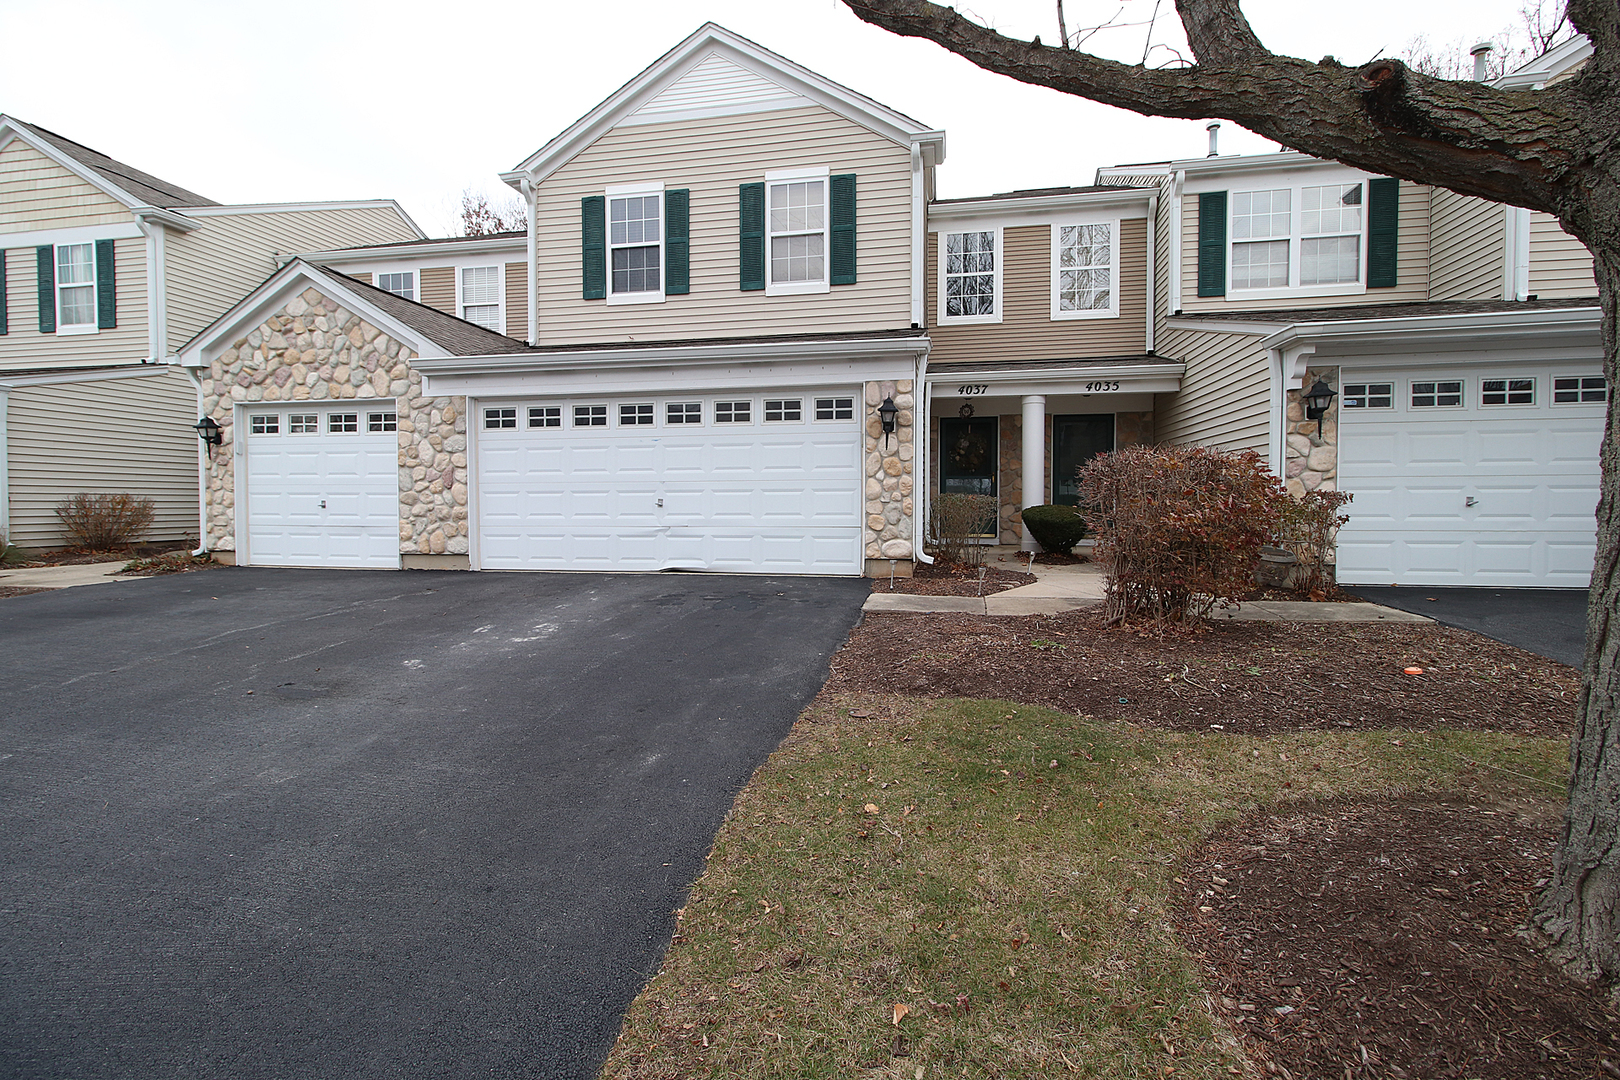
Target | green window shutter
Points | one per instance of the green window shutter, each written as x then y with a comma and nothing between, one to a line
751,237
2,290
843,228
45,256
106,287
593,245
1212,243
677,242
1383,232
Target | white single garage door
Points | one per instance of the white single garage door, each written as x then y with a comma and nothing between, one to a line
323,485
743,482
1470,475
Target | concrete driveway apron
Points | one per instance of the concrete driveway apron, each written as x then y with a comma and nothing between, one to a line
278,823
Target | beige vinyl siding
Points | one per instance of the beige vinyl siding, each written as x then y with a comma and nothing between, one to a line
517,301
24,347
1469,241
1224,392
228,255
712,157
37,193
113,435
1411,269
438,285
1560,265
1027,330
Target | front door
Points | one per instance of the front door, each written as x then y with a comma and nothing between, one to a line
967,460
1075,441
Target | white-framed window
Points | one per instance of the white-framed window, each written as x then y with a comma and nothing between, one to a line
402,283
76,288
636,414
635,244
545,416
1437,394
343,423
783,410
1507,391
303,424
1297,239
498,418
481,296
835,408
382,421
734,412
796,231
264,424
684,412
1379,395
1580,390
1085,270
970,276
590,416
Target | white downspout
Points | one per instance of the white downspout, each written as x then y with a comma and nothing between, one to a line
5,469
920,502
1279,411
529,272
202,470
1175,241
1152,282
919,238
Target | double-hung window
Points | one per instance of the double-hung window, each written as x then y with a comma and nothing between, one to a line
971,278
481,296
796,217
1085,270
1262,228
635,244
401,284
1308,238
1330,235
75,288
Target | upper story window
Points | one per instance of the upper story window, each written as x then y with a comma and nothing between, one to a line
971,280
1298,239
402,284
1330,235
481,296
635,246
75,288
796,217
1085,270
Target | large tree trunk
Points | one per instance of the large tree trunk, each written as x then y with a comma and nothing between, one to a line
1580,911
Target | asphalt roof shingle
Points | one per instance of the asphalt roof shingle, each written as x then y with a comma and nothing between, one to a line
456,336
141,185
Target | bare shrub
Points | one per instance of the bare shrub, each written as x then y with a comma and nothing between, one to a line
955,521
1309,524
1179,527
103,522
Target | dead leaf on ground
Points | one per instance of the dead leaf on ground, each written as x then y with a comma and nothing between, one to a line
900,1012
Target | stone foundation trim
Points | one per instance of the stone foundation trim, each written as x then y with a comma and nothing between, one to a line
879,568
415,561
224,558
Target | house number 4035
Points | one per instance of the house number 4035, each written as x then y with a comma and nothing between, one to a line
973,389
1101,387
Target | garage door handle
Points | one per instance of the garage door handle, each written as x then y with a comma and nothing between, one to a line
1470,501
323,504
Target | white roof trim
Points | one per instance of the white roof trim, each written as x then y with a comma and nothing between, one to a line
57,378
1036,204
713,40
294,278
472,245
1574,319
15,129
1554,62
303,207
718,352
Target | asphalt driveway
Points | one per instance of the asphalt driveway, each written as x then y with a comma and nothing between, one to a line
278,823
1547,622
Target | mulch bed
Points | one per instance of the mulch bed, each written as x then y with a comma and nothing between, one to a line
8,591
939,579
175,562
1251,678
1379,939
81,556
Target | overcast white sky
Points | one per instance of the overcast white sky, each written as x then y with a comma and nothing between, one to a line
301,100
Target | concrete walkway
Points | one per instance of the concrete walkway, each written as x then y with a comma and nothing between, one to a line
63,577
1066,588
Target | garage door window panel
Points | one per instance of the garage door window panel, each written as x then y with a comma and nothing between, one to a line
382,422
636,415
734,412
842,408
589,416
1367,396
343,423
1441,394
787,410
684,412
1580,390
545,416
1507,391
499,418
264,424
303,424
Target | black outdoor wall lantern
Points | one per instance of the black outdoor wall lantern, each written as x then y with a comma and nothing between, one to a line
209,431
1317,401
887,412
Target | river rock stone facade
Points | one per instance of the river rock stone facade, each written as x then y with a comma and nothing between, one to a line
1311,458
315,350
889,471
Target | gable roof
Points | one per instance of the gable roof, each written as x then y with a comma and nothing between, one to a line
456,336
126,183
1561,59
729,74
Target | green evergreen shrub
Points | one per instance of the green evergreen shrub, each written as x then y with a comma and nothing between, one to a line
1055,528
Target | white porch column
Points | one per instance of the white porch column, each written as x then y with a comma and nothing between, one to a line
1034,458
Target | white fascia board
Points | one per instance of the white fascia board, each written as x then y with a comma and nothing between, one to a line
709,40
303,208
1079,371
10,129
395,252
167,218
60,378
78,234
703,376
1238,164
1574,320
1131,204
1157,168
1258,329
1555,61
294,278
1319,172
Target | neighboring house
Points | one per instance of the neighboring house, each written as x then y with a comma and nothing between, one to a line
104,271
732,265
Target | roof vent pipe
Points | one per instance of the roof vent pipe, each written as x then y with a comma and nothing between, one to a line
1482,55
1214,129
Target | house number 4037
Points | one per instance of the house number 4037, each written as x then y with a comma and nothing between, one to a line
973,389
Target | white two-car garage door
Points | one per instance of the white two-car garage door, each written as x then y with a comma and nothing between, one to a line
1470,476
322,485
743,482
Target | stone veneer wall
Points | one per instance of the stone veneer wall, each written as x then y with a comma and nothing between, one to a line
314,350
889,474
1311,460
